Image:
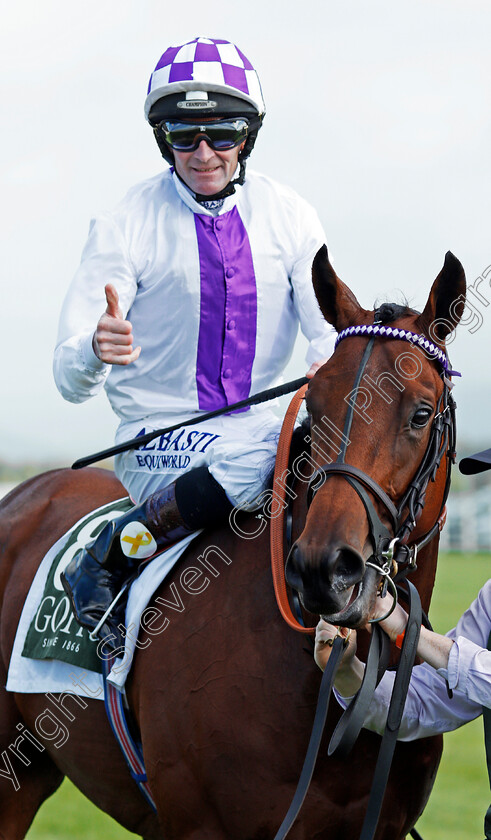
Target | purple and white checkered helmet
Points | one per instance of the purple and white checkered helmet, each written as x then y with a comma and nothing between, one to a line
205,64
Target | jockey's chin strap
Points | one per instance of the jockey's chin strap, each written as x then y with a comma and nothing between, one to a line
229,189
390,545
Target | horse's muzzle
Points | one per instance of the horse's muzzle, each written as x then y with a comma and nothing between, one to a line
327,580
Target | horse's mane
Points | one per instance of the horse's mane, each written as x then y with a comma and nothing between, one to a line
299,443
298,446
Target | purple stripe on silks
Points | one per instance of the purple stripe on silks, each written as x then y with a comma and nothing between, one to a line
228,313
212,316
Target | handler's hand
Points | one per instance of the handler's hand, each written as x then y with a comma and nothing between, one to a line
396,621
322,651
113,339
315,367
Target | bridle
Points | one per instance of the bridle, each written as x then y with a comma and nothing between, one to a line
391,552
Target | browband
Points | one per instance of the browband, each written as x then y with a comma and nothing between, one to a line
405,335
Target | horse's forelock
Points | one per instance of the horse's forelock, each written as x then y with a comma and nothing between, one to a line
385,313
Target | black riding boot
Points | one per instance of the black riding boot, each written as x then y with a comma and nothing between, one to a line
97,573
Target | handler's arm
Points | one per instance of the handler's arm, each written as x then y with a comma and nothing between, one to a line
432,648
460,657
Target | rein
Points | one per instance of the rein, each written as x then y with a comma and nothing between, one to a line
277,530
389,550
352,719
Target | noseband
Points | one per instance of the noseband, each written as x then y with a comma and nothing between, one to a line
390,548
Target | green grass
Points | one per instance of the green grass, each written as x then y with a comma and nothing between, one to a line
68,814
461,793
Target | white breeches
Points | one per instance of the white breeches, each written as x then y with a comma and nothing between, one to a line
239,450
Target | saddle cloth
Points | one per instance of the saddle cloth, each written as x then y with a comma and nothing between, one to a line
51,652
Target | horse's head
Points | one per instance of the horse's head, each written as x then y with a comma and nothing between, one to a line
381,420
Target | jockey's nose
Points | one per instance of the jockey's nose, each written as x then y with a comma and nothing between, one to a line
204,151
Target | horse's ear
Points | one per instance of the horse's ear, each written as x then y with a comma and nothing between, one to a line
446,302
338,303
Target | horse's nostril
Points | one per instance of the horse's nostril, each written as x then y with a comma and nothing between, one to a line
347,564
336,568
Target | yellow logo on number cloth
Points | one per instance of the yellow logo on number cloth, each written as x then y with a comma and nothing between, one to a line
137,541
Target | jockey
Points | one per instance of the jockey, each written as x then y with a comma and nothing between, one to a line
210,272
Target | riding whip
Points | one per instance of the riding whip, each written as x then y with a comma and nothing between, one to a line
135,443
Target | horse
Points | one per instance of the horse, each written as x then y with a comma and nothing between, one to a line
222,691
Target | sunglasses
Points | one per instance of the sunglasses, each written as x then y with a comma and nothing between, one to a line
221,136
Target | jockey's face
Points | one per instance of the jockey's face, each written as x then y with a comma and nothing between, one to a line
206,171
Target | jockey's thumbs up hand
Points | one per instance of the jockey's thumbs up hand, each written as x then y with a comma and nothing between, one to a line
112,299
113,339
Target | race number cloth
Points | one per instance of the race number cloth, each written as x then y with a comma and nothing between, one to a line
51,651
53,632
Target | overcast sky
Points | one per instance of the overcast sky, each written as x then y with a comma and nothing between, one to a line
377,112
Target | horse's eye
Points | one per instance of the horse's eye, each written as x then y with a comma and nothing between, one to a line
421,417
